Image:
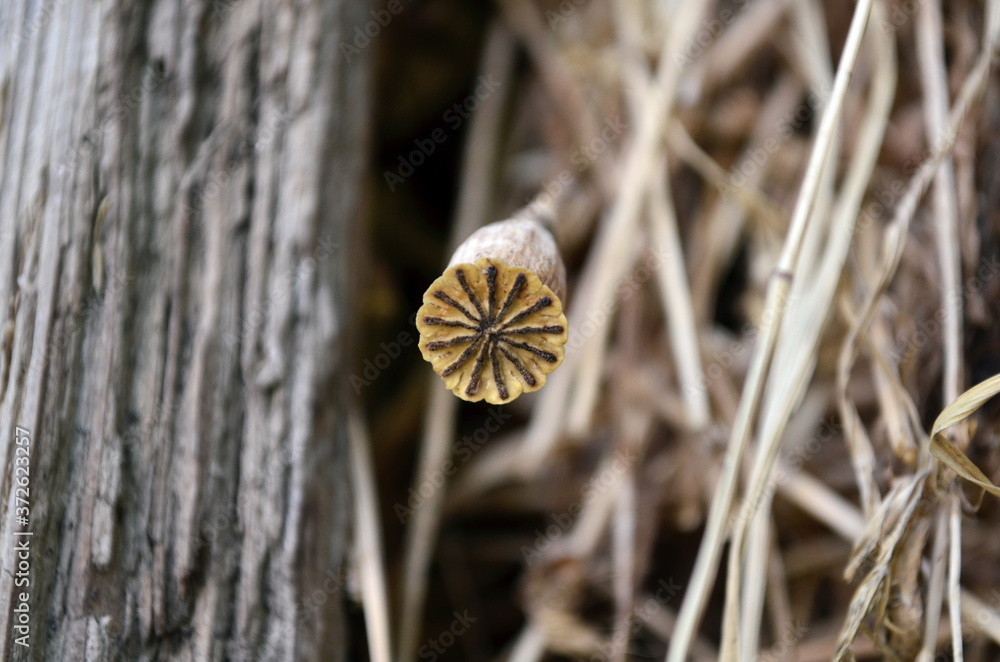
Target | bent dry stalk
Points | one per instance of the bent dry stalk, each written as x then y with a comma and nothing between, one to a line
492,325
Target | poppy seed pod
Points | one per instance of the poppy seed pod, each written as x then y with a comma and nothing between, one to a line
492,325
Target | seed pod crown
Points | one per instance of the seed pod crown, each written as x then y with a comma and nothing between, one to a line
492,325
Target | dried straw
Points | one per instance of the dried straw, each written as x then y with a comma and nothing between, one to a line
745,330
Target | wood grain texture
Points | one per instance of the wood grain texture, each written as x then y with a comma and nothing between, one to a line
179,193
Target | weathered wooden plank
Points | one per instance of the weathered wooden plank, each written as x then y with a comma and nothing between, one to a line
179,189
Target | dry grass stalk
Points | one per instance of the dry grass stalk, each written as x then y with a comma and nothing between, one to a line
368,550
778,292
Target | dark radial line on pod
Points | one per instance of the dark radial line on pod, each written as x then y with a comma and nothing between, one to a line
440,321
468,291
438,294
538,305
477,370
491,284
515,290
451,342
547,356
463,357
532,329
497,373
527,376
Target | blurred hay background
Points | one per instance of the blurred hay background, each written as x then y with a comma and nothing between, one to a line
782,227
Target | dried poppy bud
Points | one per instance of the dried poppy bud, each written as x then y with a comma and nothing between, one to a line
492,325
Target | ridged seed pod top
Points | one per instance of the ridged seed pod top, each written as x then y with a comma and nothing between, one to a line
492,325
